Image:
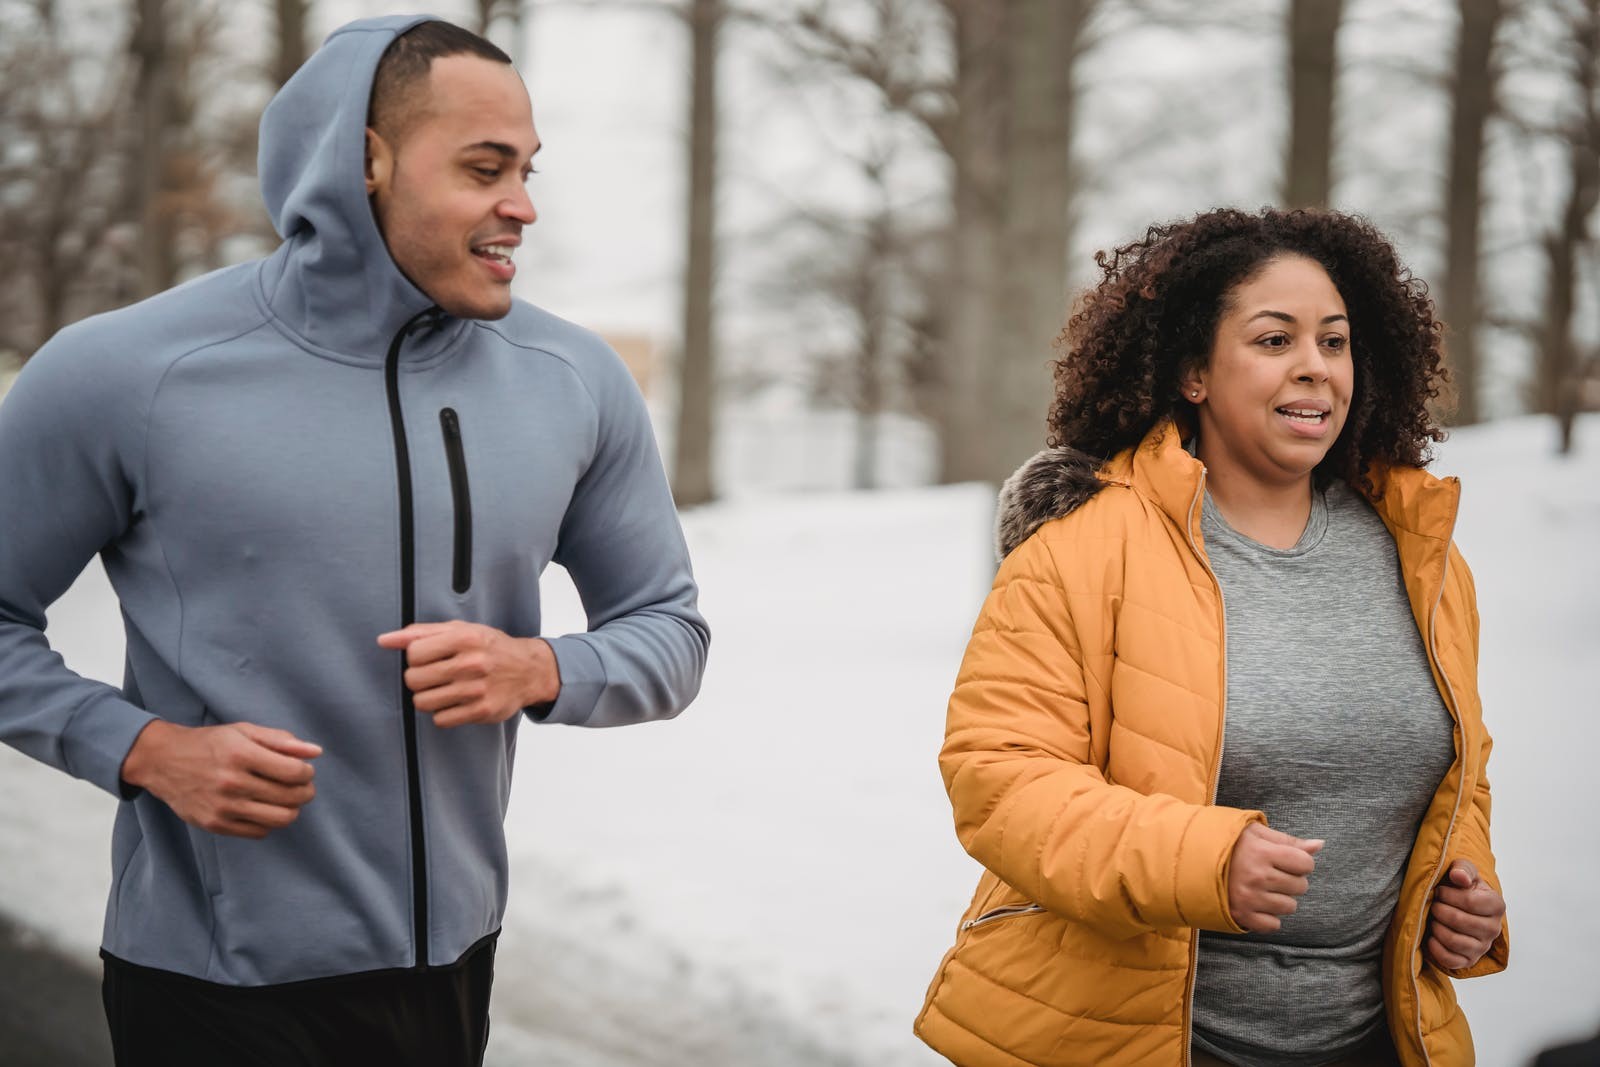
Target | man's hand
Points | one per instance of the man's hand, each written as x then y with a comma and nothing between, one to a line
240,779
1464,920
464,672
1267,876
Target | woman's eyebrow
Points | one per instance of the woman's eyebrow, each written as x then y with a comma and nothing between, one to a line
1284,316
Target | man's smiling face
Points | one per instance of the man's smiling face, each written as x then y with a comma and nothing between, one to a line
450,197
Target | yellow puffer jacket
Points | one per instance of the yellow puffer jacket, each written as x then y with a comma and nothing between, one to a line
1081,758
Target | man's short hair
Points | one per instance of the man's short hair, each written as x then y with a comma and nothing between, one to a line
397,87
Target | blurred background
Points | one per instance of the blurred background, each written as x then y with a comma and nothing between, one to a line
835,240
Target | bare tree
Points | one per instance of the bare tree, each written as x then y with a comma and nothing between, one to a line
1558,381
502,21
1046,35
64,244
1472,101
155,107
693,476
868,293
693,479
856,282
290,16
1313,68
1009,143
999,112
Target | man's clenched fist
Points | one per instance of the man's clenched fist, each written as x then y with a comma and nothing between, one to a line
239,779
465,672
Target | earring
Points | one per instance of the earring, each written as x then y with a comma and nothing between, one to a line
1195,393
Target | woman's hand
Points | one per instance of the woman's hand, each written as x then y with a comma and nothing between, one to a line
1465,918
1267,876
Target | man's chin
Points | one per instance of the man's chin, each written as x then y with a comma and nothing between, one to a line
487,310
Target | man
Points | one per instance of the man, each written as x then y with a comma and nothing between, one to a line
324,486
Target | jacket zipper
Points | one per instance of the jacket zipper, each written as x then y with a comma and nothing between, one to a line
1455,715
1222,723
408,615
1007,911
461,498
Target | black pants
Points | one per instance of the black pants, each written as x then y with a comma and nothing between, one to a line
433,1018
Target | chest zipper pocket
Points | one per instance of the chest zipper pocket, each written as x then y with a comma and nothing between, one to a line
461,498
1008,911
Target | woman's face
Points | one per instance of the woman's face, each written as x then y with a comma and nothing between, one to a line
1275,392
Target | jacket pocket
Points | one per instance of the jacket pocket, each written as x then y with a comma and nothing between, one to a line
461,499
203,842
1005,911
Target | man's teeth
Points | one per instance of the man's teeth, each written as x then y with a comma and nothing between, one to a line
1302,414
497,251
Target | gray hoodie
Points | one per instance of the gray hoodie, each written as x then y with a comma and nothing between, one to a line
277,462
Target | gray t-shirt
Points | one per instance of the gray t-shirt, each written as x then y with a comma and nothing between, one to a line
1334,729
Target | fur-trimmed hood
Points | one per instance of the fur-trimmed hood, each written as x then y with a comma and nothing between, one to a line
1055,482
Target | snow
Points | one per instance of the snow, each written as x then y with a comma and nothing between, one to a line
772,878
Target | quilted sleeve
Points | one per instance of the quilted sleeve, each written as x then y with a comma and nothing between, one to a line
1030,803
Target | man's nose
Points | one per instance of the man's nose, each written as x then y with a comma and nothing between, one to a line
519,207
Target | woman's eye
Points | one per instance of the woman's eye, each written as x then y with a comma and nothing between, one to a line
1277,340
1337,341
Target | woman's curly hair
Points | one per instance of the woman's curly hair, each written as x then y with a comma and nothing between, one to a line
1154,316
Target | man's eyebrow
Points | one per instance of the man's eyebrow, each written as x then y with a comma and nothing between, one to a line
500,148
1284,316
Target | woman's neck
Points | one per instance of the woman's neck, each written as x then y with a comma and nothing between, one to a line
1274,514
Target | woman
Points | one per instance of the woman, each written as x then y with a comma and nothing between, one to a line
1216,738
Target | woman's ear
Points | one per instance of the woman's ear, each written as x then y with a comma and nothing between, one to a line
379,164
1192,386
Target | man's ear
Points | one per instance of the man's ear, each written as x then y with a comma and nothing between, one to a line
380,162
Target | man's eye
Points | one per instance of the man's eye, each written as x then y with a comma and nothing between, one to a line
487,172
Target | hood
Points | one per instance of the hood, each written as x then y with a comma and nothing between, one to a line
333,283
1053,483
1058,481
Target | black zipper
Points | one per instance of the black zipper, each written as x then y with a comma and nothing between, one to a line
408,615
461,497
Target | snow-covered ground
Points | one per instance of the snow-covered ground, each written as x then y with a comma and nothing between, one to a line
771,878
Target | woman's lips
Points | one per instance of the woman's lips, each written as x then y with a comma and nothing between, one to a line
1305,421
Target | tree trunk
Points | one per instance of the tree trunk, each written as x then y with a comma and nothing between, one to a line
1472,100
1313,66
501,21
154,103
1045,37
975,267
692,471
1558,386
291,19
871,288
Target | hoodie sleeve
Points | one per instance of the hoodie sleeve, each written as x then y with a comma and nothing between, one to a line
1030,803
621,542
65,494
